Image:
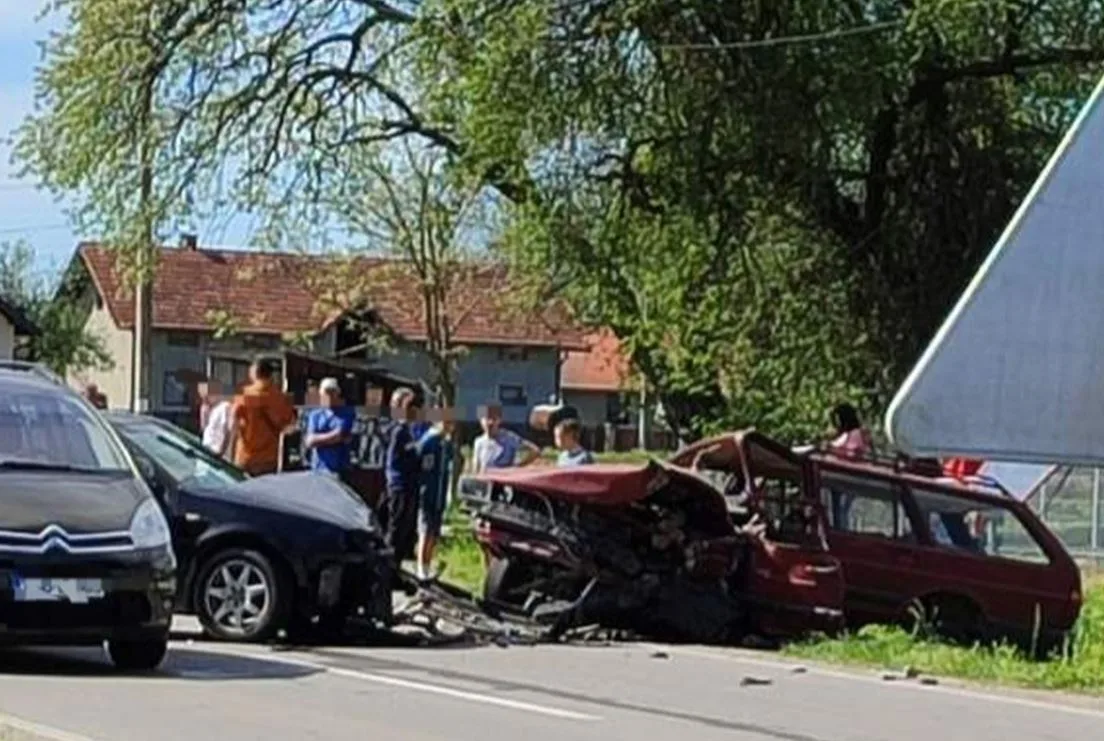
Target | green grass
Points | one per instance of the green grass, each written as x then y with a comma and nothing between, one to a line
460,554
1080,670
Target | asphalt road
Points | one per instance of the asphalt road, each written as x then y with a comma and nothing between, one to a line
207,691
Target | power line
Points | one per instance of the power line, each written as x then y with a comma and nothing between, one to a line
29,229
794,40
14,185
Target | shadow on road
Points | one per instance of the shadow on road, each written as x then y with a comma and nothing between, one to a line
191,664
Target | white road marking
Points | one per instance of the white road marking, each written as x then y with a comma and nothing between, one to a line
18,729
433,689
788,665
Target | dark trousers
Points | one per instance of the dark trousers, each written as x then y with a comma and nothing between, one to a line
402,522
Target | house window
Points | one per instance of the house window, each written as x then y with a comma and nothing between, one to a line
182,339
175,393
513,354
615,412
510,395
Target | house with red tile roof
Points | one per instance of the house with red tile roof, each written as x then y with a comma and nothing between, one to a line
596,380
212,308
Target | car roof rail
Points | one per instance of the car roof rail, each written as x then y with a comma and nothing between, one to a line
38,369
923,467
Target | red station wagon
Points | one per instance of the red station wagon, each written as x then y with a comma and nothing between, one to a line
969,558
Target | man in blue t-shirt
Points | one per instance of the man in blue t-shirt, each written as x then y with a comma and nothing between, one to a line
438,456
329,430
401,475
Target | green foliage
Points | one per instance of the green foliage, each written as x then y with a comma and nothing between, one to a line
660,161
772,214
1082,669
63,342
108,118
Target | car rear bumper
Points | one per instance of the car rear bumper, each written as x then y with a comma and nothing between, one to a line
136,604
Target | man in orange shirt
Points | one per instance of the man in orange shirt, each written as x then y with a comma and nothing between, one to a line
261,414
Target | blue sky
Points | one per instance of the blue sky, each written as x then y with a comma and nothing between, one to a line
26,212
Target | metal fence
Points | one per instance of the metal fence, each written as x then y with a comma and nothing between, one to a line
1069,503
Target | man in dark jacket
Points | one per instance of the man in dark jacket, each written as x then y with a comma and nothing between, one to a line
402,472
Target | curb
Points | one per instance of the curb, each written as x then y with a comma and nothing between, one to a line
17,729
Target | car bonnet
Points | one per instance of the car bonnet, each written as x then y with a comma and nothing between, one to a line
77,502
302,494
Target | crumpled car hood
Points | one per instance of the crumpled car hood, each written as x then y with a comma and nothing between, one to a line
301,494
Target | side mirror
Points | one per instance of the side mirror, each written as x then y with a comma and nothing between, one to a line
149,475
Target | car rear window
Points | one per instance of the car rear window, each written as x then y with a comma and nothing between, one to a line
977,527
55,429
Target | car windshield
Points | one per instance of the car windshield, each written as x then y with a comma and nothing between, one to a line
52,430
181,455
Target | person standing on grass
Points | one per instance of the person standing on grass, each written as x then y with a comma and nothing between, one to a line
438,455
260,415
329,431
498,447
402,473
568,435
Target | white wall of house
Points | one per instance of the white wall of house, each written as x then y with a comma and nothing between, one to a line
7,339
114,383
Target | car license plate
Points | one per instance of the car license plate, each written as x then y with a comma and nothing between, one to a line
77,591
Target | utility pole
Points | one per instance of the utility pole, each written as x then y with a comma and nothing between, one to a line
143,295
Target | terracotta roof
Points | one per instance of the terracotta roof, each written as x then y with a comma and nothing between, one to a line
603,368
16,317
278,293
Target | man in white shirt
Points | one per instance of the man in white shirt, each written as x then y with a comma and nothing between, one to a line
217,426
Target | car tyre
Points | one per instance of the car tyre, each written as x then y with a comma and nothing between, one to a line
504,575
954,619
138,655
242,595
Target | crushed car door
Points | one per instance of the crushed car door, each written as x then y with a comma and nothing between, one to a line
791,574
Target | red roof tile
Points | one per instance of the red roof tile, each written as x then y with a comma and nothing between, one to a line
603,368
264,292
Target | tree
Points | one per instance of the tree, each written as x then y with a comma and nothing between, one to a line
702,177
671,149
414,224
63,343
107,115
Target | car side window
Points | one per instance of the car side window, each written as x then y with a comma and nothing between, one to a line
977,527
865,507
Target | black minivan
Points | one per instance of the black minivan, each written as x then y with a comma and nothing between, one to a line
85,551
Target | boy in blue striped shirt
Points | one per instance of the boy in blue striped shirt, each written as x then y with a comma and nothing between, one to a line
438,462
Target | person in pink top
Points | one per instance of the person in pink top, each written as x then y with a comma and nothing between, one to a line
852,439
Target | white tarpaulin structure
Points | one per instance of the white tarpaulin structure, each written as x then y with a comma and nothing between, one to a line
1016,372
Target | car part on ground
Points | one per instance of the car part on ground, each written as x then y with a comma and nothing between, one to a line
85,553
294,553
650,549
